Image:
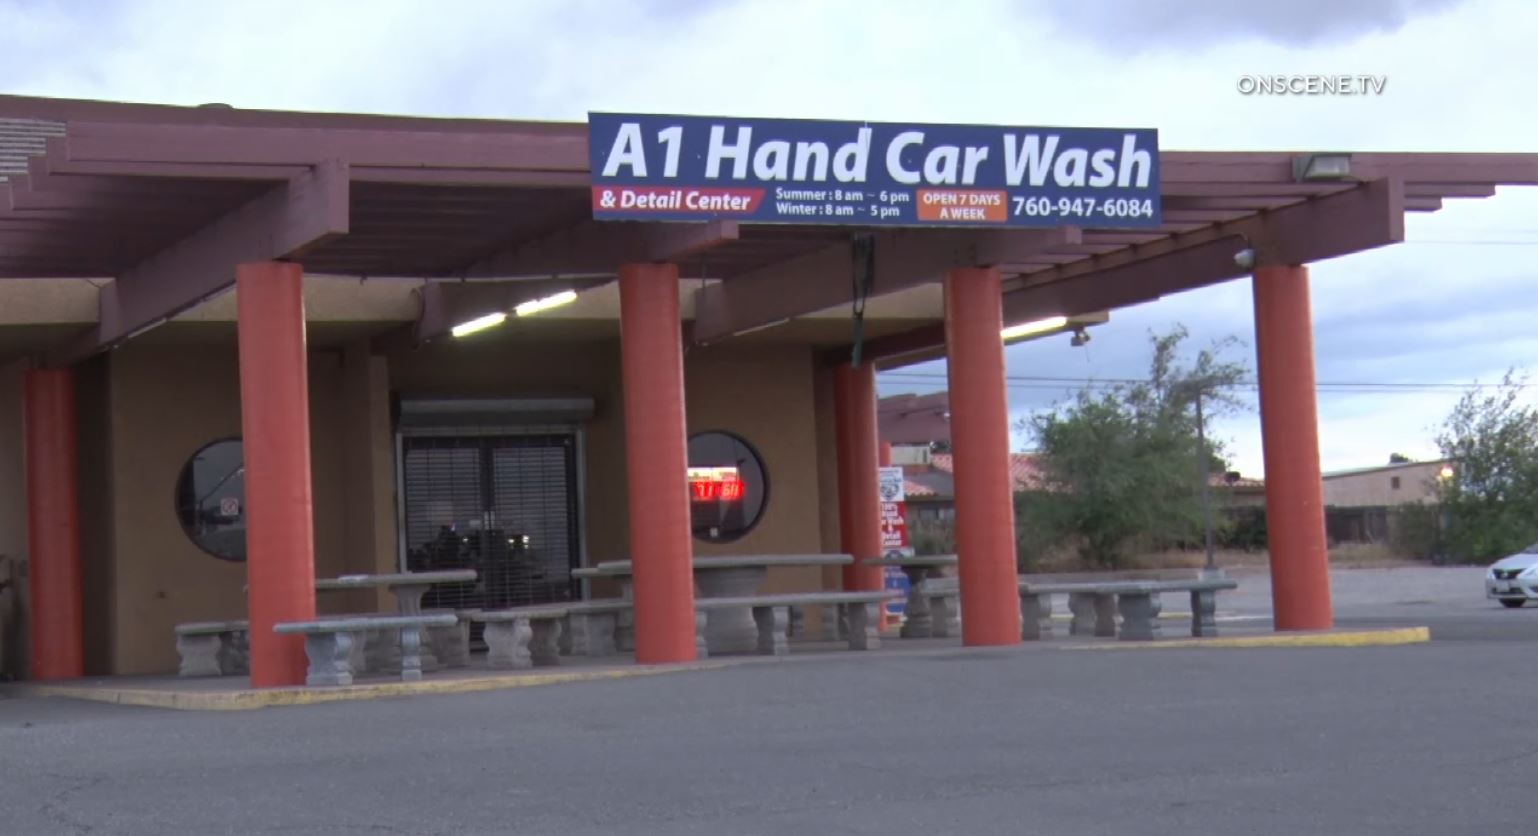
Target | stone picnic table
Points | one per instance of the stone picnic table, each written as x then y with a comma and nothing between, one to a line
917,620
730,630
408,587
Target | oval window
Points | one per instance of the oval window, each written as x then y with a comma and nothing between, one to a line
211,499
728,486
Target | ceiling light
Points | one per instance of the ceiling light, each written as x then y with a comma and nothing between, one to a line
1039,326
480,323
1309,167
533,306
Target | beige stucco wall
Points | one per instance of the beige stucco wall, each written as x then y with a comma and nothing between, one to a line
166,402
500,365
763,393
1376,487
766,395
154,405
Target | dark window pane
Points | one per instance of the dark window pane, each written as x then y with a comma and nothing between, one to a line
211,499
728,486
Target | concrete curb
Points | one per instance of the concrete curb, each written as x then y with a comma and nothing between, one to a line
1342,638
245,699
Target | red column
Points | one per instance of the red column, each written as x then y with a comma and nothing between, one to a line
1289,424
858,479
985,509
886,454
275,423
657,462
53,525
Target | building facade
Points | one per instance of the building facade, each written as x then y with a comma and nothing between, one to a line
236,354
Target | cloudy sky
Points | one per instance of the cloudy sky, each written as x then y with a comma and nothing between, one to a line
1453,304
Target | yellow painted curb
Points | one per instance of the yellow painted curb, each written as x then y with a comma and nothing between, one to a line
249,698
1342,638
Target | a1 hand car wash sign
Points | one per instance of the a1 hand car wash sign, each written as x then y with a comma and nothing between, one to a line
697,168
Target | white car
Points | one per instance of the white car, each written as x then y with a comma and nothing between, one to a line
1514,580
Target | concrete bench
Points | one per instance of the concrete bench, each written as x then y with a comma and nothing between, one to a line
328,642
598,627
518,638
859,611
1094,606
213,648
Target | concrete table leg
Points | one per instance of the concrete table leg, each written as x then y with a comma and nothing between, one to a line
624,628
544,642
834,628
1105,615
1035,616
328,654
1082,606
411,654
1139,616
200,654
236,658
1204,613
701,646
507,644
864,626
409,596
731,630
592,634
357,659
772,629
917,622
944,615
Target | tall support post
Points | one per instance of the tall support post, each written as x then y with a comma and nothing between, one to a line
275,423
859,478
53,525
1289,423
985,509
657,462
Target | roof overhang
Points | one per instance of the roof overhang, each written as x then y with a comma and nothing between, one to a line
163,202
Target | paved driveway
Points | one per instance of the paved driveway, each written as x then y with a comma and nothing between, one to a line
1419,739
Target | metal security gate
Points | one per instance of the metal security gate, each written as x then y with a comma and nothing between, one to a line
503,505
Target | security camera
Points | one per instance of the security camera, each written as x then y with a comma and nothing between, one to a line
1080,337
1245,258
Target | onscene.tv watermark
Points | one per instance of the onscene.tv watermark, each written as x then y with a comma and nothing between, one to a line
1312,84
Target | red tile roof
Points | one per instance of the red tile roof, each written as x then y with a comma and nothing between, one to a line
936,480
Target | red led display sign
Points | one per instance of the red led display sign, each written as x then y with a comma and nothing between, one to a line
715,484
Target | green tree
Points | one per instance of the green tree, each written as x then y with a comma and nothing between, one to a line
1491,497
1121,463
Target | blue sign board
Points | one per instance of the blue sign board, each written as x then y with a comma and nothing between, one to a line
896,579
699,168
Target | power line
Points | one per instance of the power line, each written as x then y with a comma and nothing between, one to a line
1472,242
1333,387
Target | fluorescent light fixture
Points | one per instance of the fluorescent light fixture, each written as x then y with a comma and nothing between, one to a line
1309,167
480,323
1039,326
533,306
765,327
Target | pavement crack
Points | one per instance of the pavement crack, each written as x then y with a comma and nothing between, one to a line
1520,756
56,809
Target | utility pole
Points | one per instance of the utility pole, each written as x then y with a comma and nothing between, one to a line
1204,472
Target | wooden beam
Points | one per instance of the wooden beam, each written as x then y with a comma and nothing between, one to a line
822,279
281,224
107,142
601,247
1367,216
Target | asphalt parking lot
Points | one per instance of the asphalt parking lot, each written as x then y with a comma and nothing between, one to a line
1415,739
